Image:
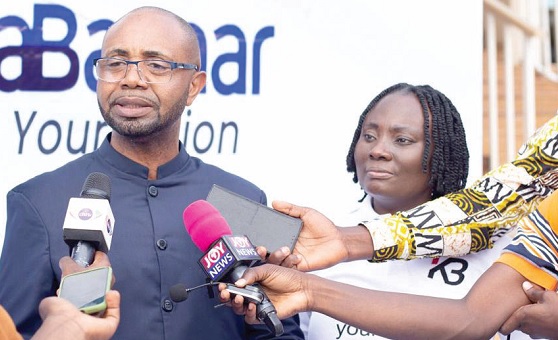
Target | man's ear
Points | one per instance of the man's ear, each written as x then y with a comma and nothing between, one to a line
196,85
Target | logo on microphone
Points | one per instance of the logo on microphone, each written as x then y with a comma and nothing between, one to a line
242,246
85,214
241,242
226,253
217,260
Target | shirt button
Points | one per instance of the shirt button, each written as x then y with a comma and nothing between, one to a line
162,244
153,190
167,305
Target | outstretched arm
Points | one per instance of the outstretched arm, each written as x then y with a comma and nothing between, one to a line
479,315
320,243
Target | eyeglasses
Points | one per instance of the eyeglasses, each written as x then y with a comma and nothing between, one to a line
113,70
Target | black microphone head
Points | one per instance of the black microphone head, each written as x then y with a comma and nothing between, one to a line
97,185
178,292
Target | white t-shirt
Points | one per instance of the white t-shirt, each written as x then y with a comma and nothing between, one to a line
442,277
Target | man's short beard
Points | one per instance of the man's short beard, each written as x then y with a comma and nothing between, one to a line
136,129
132,128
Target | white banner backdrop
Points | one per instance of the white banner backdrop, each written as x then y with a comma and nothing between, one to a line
292,77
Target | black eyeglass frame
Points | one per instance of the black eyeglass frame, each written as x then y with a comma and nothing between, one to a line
174,65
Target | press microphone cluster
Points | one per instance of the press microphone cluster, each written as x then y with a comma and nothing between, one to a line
89,222
226,258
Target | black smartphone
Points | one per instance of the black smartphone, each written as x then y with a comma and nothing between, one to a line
263,225
86,289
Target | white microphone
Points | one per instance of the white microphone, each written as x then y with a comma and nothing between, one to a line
89,222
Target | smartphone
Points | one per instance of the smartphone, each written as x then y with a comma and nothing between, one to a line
86,290
263,225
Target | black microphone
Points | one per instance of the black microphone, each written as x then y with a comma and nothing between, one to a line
226,257
179,292
89,222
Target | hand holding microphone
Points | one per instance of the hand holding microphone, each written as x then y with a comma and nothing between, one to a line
89,221
226,257
87,230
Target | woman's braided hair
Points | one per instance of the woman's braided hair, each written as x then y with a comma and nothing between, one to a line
449,165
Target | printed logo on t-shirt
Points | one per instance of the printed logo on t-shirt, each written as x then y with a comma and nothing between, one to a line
451,269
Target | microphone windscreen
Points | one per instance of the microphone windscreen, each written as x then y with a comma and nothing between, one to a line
178,292
205,224
96,185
